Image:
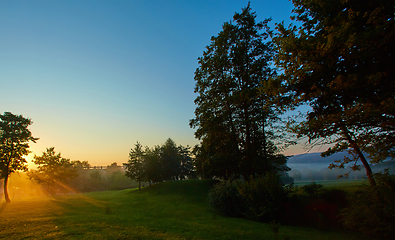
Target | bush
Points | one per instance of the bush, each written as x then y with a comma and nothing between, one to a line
312,189
335,196
225,199
263,197
372,209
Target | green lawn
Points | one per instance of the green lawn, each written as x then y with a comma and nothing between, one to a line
172,210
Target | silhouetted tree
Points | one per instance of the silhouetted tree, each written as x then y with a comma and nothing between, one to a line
161,163
186,167
340,61
52,169
152,165
81,164
14,144
170,160
233,118
135,166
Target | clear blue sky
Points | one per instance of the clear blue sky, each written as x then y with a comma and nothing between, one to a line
97,76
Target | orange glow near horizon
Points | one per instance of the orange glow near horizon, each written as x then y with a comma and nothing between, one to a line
20,187
30,164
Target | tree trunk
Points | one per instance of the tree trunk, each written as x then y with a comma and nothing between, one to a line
366,165
7,198
356,148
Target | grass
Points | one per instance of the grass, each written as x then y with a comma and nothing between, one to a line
171,210
345,184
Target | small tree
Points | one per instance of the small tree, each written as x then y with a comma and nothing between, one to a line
14,144
135,166
52,169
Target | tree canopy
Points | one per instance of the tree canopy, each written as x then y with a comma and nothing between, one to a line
340,61
14,144
232,117
53,169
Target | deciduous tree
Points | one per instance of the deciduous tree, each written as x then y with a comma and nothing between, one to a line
53,169
232,117
340,61
14,144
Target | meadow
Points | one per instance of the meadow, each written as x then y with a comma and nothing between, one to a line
170,210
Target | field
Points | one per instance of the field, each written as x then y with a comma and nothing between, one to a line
171,210
345,184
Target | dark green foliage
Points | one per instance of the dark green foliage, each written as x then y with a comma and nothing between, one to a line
118,181
263,197
339,61
312,188
226,200
286,179
335,196
372,209
233,119
53,170
134,169
14,144
161,163
259,198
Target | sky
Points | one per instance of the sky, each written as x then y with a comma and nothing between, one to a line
95,77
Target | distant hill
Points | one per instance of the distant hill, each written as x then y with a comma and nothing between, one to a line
316,158
311,166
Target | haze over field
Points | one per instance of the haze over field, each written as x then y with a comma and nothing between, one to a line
97,76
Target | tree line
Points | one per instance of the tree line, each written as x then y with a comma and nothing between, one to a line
336,58
160,163
58,174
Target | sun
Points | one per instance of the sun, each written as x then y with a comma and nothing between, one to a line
30,163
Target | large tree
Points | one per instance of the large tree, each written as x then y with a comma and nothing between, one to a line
340,61
54,170
232,117
14,144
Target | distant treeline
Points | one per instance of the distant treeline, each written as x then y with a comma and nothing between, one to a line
161,163
88,179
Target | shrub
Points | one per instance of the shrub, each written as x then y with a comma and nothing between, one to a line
312,189
335,196
225,199
372,209
263,197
